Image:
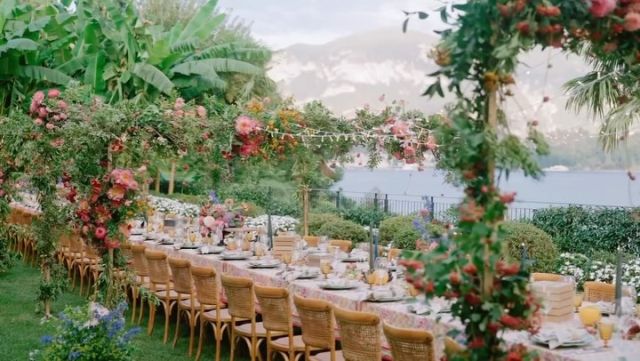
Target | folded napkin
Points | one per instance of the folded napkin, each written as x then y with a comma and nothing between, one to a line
562,336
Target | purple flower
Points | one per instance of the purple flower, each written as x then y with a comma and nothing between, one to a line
214,197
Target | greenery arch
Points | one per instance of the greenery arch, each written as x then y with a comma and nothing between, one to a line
481,51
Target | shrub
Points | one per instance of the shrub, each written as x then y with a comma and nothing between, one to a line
89,333
585,230
540,246
343,229
363,215
275,201
317,220
399,230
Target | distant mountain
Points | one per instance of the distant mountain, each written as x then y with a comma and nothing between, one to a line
355,70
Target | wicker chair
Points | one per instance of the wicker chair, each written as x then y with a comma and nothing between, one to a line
141,269
312,241
409,344
275,306
75,254
187,305
161,286
359,335
546,277
318,329
284,244
599,291
240,300
342,244
212,311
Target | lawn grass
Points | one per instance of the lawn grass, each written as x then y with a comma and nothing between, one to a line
21,327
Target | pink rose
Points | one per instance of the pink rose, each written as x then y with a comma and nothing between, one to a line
42,112
62,105
124,178
100,233
57,143
431,143
54,93
602,8
245,125
38,121
632,22
50,126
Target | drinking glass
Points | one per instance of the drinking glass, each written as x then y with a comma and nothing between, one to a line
325,267
286,259
259,250
605,329
371,279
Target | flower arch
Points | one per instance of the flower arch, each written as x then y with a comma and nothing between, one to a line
481,49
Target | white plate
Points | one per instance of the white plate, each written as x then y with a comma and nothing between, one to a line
396,298
338,286
259,264
235,256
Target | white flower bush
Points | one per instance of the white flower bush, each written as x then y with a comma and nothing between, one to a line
166,205
584,269
279,224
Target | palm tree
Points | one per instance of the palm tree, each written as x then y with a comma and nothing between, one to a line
610,92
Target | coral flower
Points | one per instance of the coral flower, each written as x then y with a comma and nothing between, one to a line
400,129
100,233
124,178
116,193
53,93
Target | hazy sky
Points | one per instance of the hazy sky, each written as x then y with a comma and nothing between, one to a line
280,23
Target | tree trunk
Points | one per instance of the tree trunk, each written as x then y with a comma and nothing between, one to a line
46,271
305,209
172,177
157,185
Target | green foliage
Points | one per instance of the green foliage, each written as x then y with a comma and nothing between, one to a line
343,229
272,201
365,216
401,231
7,258
317,220
586,230
539,245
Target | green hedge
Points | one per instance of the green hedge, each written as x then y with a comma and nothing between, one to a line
317,220
400,230
343,229
585,230
274,201
363,215
540,246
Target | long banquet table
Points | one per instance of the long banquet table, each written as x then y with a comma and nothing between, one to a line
395,313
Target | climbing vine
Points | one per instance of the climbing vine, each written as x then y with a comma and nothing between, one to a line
477,147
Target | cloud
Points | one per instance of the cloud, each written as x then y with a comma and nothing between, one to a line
283,23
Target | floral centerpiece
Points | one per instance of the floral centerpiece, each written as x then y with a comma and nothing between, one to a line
216,216
279,224
91,332
109,204
166,205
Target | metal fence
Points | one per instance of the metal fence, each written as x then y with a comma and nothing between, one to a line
442,208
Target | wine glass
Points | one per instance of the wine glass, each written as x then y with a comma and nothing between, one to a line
259,250
325,268
605,329
371,279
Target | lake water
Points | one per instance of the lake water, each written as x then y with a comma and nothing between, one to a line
608,188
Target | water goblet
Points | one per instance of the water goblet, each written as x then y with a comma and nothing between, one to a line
605,329
577,300
325,268
286,259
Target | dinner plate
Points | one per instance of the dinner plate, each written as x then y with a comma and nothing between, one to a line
258,264
338,287
189,246
235,256
396,298
584,341
353,259
308,276
211,250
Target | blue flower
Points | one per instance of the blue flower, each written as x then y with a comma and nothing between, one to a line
73,355
46,339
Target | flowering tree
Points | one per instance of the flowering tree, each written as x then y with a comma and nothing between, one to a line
482,49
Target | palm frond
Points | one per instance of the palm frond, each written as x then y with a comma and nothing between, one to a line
40,73
207,66
153,76
617,124
595,91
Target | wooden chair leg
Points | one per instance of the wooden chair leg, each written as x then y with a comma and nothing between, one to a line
203,325
218,335
152,318
233,342
167,312
177,333
192,331
134,301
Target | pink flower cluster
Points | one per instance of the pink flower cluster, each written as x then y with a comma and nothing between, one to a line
628,9
179,110
106,204
48,113
249,132
214,217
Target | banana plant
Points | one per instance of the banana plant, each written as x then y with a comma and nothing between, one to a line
31,40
